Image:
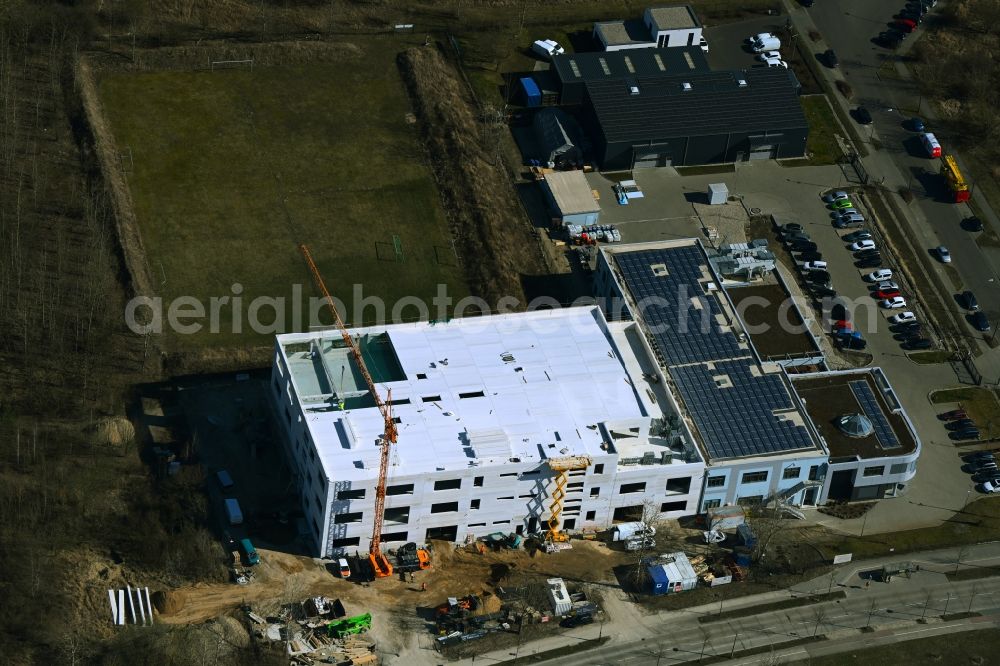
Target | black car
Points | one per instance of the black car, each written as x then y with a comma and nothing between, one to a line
812,255
807,3
968,301
871,262
830,58
853,343
972,224
912,15
917,343
823,292
839,312
980,321
906,331
917,7
577,620
980,455
791,228
865,254
817,277
889,40
906,336
963,435
803,246
863,115
960,424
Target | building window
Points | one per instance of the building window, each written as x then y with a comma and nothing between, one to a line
679,485
399,515
474,504
591,515
629,488
342,518
501,522
576,485
344,543
477,524
595,492
448,484
814,473
672,506
754,477
506,474
505,498
898,469
599,468
712,504
874,471
351,494
478,482
404,489
531,472
750,500
471,394
791,473
569,524
715,482
395,536
444,507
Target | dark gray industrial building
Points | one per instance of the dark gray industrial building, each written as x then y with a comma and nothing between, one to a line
699,117
574,71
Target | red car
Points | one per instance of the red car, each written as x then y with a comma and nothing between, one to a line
953,415
882,295
842,325
906,25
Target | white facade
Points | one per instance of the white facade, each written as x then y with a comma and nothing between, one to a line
661,27
481,405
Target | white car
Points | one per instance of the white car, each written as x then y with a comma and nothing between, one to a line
943,254
344,567
903,318
774,62
704,45
867,244
769,55
846,212
894,303
881,275
814,266
888,285
836,196
991,487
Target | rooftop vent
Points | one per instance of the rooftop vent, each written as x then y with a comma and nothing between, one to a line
685,86
633,89
742,83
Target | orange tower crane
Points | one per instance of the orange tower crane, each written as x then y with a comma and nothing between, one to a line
380,564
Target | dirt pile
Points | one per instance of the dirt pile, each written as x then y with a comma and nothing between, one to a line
493,236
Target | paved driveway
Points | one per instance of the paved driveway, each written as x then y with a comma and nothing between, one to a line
726,47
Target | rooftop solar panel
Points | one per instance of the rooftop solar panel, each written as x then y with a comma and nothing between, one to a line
869,404
733,408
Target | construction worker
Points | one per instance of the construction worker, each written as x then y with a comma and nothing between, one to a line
423,587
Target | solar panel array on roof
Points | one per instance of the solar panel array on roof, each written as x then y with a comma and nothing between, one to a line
716,103
736,410
869,403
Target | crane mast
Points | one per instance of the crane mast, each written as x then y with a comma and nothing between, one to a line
380,565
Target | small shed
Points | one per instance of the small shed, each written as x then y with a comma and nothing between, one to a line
571,198
718,194
558,137
559,596
671,573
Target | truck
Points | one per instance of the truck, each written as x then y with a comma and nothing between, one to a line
249,552
765,43
233,512
626,531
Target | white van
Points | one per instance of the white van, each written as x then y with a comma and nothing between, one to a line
547,48
931,144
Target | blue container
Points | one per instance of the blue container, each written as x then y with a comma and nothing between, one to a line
532,95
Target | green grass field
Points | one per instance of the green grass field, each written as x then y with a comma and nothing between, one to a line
232,169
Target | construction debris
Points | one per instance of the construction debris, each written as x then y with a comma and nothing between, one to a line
131,604
316,631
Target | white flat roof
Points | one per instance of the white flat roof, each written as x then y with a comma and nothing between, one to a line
480,391
571,192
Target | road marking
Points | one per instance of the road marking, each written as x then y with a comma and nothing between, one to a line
916,631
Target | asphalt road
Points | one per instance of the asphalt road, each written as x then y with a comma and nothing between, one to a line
848,26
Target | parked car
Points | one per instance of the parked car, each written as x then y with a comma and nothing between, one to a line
869,262
836,195
821,291
853,342
980,322
802,246
956,414
910,15
811,255
769,55
976,455
838,312
962,435
848,220
972,224
830,58
894,303
703,44
916,124
890,39
866,244
841,204
863,115
888,284
903,317
344,568
986,476
905,25
968,301
868,254
879,275
960,424
814,266
943,254
883,294
791,228
907,336
992,486
547,48
914,344
775,62
577,620
792,236
817,277
857,236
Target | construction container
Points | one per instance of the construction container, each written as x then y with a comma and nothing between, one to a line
531,92
625,531
671,573
725,518
718,194
746,535
559,596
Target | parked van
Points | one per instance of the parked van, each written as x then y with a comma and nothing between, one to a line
771,43
849,220
547,48
931,144
233,512
225,481
249,553
625,531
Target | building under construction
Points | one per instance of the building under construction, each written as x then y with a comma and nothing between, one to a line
526,423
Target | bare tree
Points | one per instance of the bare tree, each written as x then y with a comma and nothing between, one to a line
766,523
